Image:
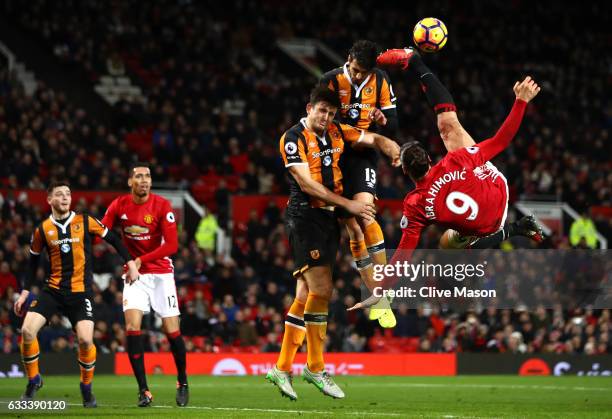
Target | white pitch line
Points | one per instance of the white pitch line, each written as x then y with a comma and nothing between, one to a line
396,385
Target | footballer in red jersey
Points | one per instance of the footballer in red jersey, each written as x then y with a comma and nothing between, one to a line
148,226
464,191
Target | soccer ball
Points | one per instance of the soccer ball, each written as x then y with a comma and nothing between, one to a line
430,34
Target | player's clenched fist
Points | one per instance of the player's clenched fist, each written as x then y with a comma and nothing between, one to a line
527,89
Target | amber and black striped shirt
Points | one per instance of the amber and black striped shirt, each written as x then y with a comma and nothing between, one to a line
69,245
357,101
299,145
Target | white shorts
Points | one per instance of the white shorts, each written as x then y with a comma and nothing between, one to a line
156,291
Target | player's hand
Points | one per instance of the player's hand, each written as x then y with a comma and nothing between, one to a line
364,210
526,90
132,273
370,301
18,308
138,263
377,116
394,154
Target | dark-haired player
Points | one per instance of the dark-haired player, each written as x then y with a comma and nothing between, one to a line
366,102
464,191
149,232
311,150
67,236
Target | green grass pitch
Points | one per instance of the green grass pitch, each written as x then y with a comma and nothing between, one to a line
448,397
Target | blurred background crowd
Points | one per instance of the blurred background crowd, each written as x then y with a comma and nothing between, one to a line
215,93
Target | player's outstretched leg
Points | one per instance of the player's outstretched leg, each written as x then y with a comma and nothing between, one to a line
526,227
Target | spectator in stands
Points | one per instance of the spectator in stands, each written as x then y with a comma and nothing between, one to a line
207,231
583,233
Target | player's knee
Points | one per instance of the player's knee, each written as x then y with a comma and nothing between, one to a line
448,125
354,230
324,290
451,239
301,292
28,332
85,342
131,326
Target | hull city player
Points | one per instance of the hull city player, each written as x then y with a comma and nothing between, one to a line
367,102
311,150
67,237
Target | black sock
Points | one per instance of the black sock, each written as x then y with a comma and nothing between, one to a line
180,354
492,240
136,353
438,96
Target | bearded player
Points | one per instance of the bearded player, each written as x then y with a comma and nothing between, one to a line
149,232
367,102
464,192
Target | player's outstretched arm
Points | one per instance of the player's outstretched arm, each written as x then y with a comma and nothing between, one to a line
525,91
386,146
301,174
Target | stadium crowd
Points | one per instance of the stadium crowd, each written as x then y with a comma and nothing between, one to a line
217,98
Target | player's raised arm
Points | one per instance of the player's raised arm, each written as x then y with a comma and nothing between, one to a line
301,174
525,91
360,138
386,146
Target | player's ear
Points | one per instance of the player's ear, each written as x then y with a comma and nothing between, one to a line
130,181
308,108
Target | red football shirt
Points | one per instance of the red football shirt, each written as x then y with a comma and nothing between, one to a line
464,191
149,230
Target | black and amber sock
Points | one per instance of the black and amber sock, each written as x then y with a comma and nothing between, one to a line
375,241
295,331
363,261
135,349
87,363
29,355
315,317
